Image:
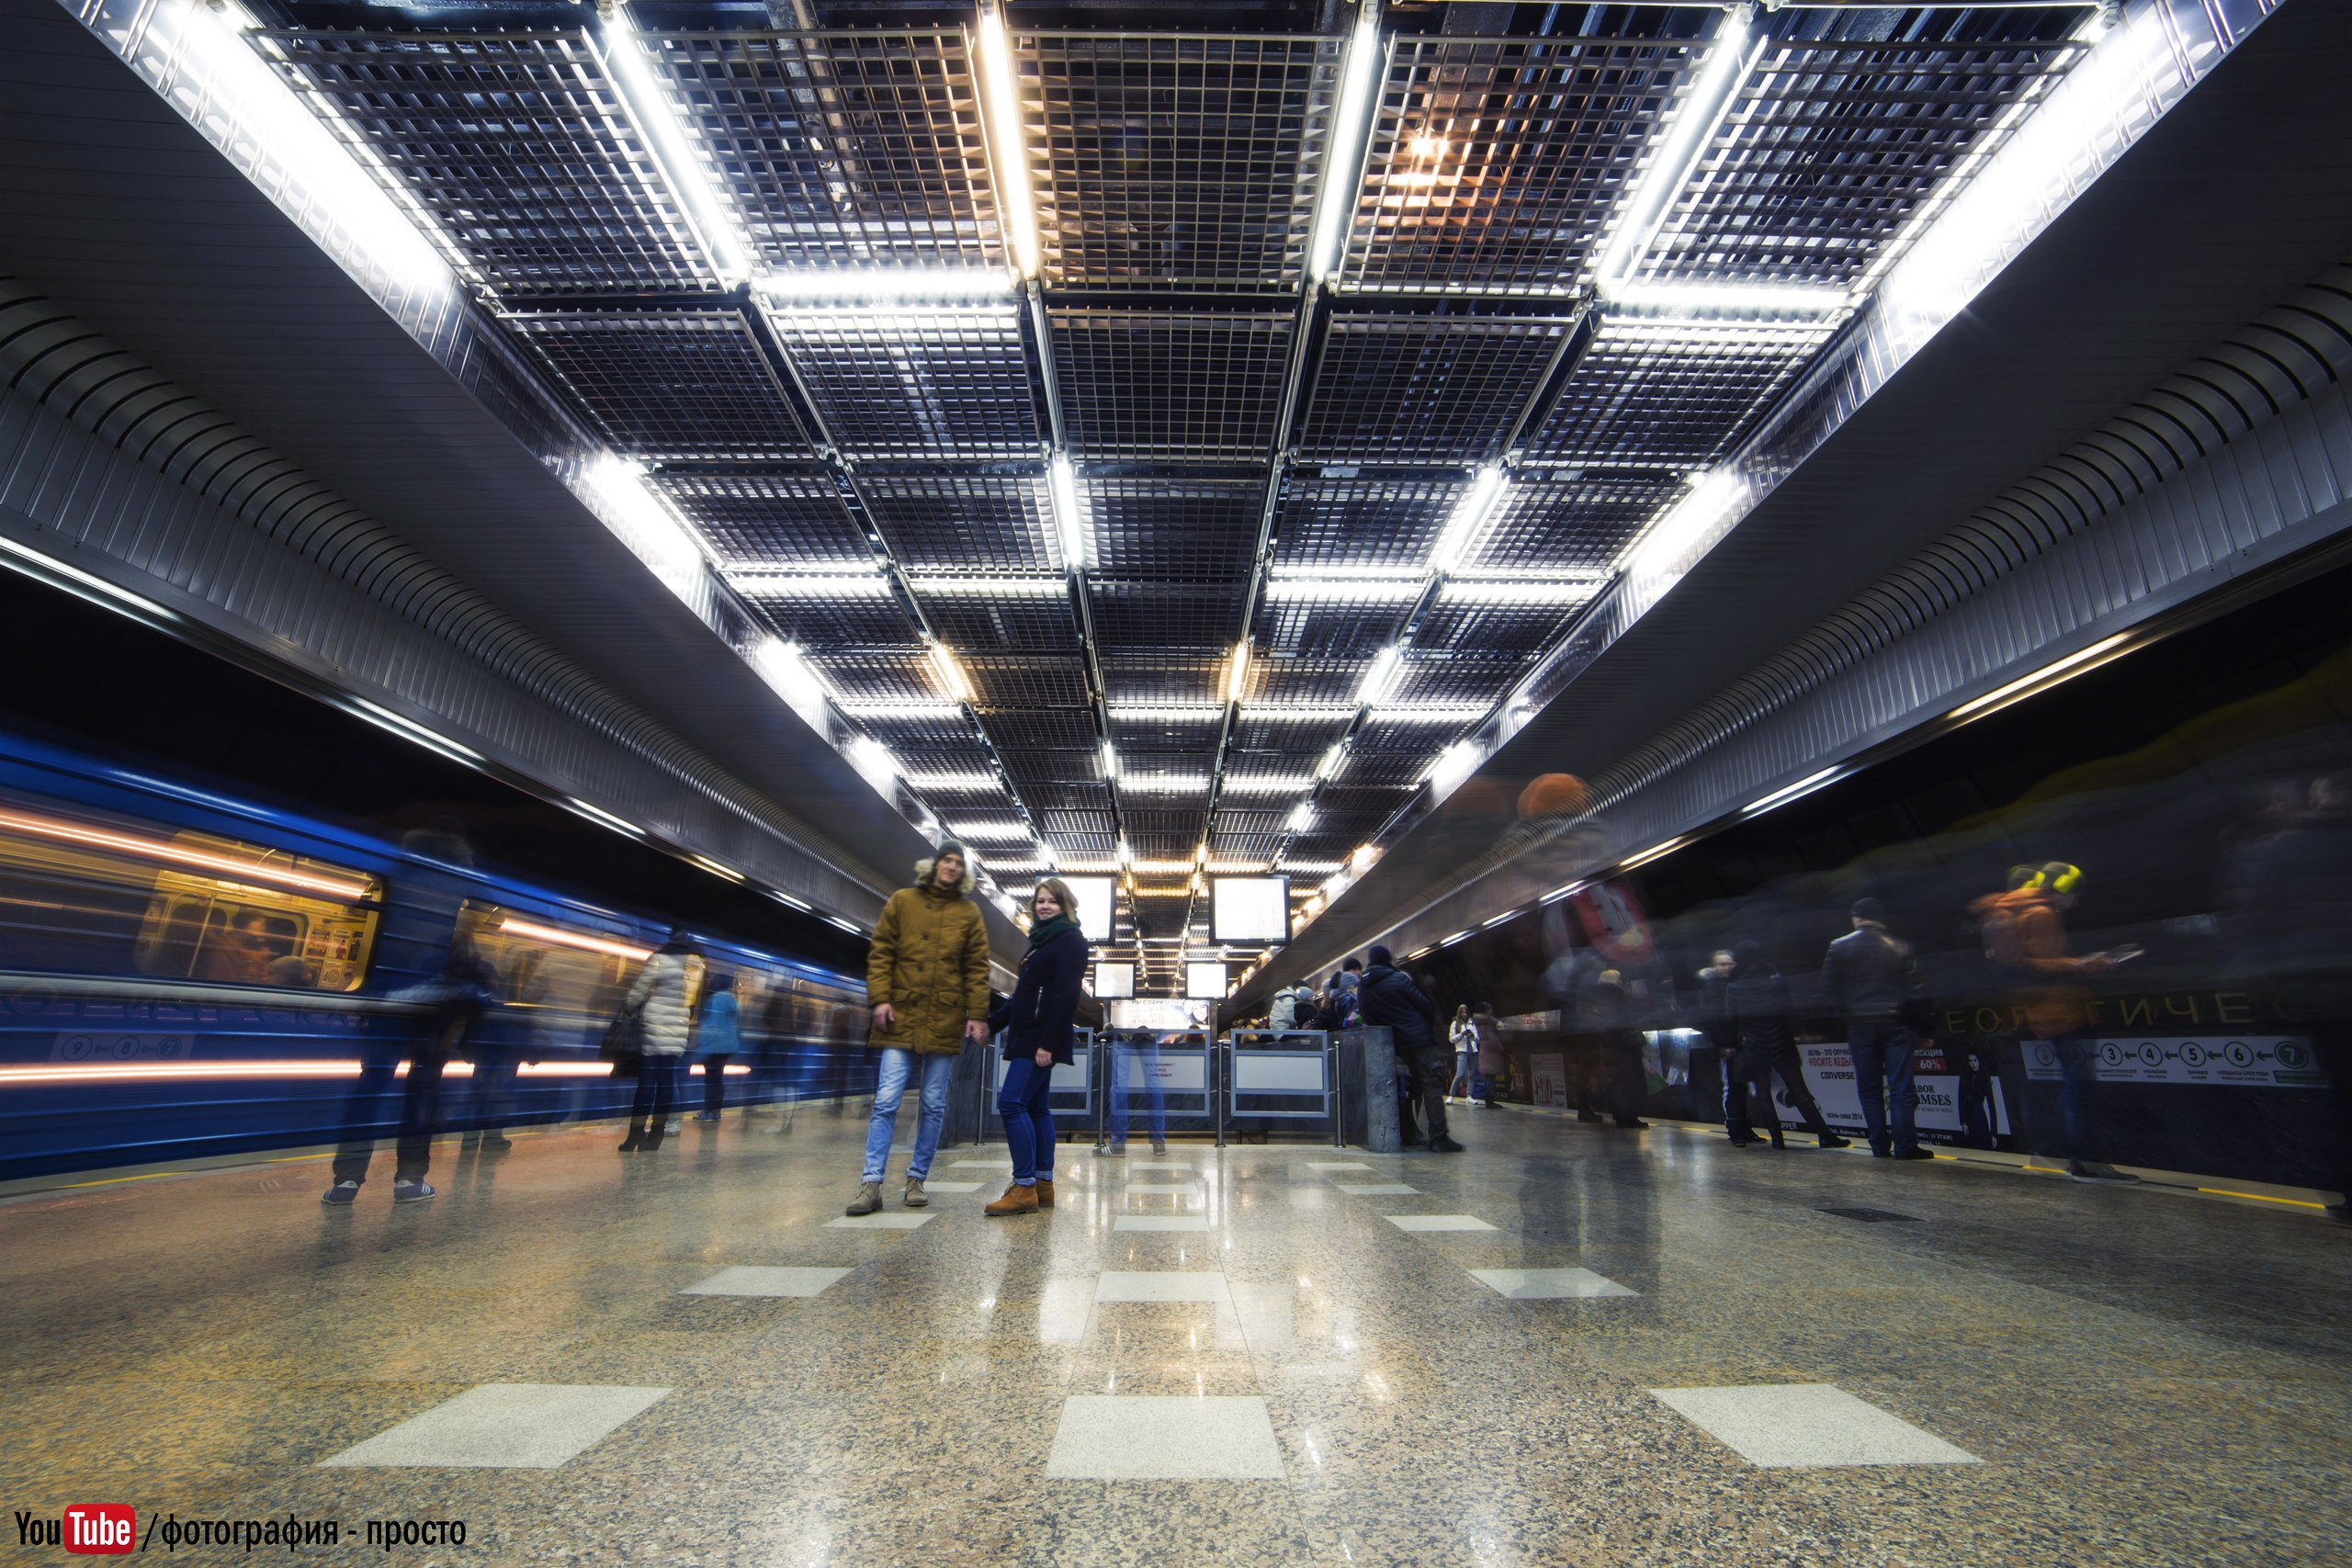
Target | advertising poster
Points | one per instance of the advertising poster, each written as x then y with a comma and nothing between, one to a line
1550,1073
1829,1073
1612,919
2243,1061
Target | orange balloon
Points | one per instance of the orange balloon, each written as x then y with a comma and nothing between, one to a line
1554,795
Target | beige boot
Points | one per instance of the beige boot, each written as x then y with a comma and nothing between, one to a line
1044,1190
868,1198
916,1197
1017,1199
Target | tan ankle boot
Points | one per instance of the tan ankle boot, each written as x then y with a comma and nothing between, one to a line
916,1197
868,1198
1017,1199
1044,1190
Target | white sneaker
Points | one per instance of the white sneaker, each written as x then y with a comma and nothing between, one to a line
671,1126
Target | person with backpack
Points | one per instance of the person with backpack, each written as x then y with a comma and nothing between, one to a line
1036,1025
718,1041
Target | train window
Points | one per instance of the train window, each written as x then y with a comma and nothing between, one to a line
84,896
559,976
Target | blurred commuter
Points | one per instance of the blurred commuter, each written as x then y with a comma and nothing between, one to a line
1283,1013
241,955
1036,1027
662,997
927,981
460,985
1388,996
1351,992
1871,978
719,1040
1463,1040
2288,896
1759,997
1717,1026
1605,1052
1486,1060
1135,1052
2024,936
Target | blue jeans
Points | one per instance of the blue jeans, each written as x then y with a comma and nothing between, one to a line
1881,1051
1026,1105
1127,1058
891,1088
2078,1066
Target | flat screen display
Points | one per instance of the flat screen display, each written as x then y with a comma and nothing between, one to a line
1096,906
1115,980
1205,981
1249,909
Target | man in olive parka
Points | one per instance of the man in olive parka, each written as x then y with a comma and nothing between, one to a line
927,980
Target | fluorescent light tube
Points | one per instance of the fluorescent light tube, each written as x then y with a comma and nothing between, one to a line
1380,676
1062,481
1787,792
706,209
1728,61
2048,675
882,285
1470,514
1301,816
1237,671
1009,140
1351,128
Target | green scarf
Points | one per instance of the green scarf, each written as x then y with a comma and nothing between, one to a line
1045,931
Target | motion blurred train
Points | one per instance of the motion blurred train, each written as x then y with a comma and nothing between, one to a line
185,975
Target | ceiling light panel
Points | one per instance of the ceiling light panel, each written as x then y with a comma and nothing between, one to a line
1437,678
1674,392
870,679
1195,616
1329,525
1176,160
1477,629
671,385
1141,680
1495,162
766,520
936,382
1565,524
1409,389
829,618
518,146
1011,680
1042,736
1020,623
964,525
1829,150
1320,684
1168,525
845,150
1347,621
1170,384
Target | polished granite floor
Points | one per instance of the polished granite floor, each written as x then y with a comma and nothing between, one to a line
1662,1351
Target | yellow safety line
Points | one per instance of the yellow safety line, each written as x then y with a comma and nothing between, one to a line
2262,1198
109,1182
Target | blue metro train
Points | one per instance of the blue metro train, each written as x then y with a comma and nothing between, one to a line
184,975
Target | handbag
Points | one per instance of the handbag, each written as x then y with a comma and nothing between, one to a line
620,1045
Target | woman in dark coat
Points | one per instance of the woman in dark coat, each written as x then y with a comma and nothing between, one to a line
1036,1027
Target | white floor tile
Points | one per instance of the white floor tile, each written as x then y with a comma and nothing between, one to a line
1186,1189
1161,1223
953,1185
1807,1424
1378,1190
1161,1285
1437,1223
1337,1164
754,1281
981,1165
1548,1284
889,1220
1164,1437
1156,1165
514,1425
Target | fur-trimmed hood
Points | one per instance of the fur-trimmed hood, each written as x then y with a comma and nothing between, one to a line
923,868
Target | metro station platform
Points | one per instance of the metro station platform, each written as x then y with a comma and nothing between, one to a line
1569,1344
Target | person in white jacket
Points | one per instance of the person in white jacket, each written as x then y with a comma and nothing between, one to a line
663,1000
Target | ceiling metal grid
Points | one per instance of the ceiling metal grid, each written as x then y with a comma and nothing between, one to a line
1830,149
1168,525
968,524
844,148
1361,524
518,146
786,521
938,382
1580,523
1495,162
670,384
1170,384
1401,389
1176,159
1672,393
1175,181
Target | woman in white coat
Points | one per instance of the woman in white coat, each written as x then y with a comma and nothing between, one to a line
663,1000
